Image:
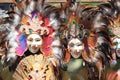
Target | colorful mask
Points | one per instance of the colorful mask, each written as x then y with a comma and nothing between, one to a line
75,46
34,41
34,28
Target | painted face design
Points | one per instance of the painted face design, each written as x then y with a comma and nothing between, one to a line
75,46
34,41
116,46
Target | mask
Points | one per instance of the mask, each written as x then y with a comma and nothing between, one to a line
75,46
34,42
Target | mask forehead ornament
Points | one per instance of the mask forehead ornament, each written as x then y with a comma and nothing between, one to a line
73,25
33,24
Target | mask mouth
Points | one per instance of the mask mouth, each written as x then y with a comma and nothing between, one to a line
34,47
118,52
76,54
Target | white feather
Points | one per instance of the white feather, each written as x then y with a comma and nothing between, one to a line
100,40
29,8
16,20
11,37
3,14
56,47
11,55
54,23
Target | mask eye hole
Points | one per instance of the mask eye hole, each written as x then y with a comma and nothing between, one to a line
30,39
37,40
79,44
71,45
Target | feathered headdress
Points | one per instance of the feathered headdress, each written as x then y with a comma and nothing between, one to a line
28,19
8,22
34,24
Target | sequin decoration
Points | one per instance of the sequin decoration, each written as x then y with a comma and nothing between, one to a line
35,67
